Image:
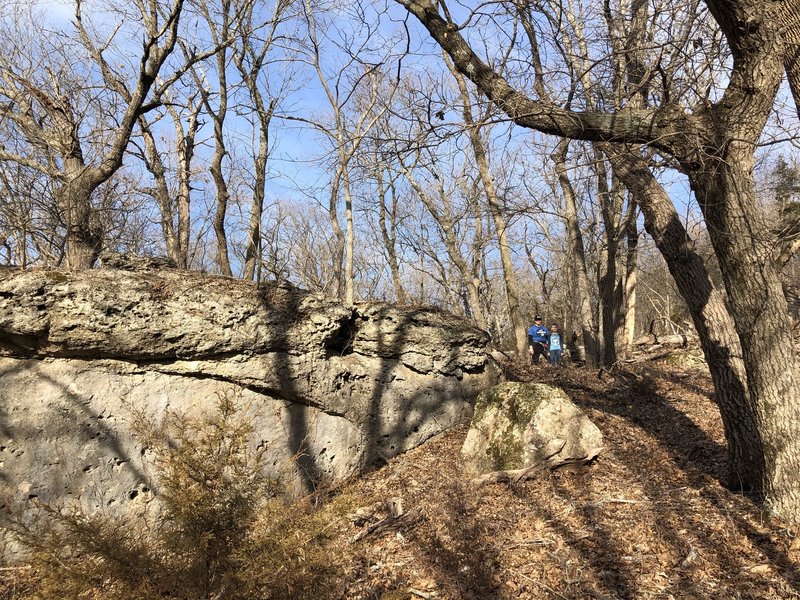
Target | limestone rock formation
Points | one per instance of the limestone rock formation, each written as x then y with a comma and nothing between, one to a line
335,388
520,425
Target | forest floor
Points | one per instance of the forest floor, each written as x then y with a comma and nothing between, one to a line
649,518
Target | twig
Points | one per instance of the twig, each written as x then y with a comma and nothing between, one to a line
616,501
533,542
391,521
540,584
425,595
515,475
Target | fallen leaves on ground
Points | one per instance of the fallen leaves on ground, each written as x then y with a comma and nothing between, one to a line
650,518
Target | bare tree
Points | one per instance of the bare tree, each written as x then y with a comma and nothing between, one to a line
442,210
475,135
220,18
171,186
72,135
358,94
258,35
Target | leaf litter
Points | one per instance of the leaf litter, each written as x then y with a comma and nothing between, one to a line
650,518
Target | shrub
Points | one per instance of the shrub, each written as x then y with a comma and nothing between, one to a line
219,529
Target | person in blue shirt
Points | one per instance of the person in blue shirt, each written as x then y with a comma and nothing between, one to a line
554,345
537,340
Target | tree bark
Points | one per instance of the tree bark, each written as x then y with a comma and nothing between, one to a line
222,197
338,234
611,298
185,155
252,253
349,273
84,233
631,280
758,306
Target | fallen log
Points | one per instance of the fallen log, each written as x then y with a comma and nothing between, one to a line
674,340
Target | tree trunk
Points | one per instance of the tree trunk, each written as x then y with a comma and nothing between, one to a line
631,276
253,249
185,155
222,195
713,322
727,197
578,254
338,234
610,287
349,276
160,192
84,233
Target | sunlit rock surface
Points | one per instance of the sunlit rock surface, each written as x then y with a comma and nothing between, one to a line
520,425
334,388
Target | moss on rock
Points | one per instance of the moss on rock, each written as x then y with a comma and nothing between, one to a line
515,425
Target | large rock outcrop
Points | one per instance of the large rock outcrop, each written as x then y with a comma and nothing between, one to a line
337,388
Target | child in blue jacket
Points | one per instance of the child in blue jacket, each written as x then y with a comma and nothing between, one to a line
555,345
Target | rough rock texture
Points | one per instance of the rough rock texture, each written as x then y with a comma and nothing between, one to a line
338,388
519,425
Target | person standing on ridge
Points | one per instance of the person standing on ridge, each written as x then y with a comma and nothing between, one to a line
554,346
537,340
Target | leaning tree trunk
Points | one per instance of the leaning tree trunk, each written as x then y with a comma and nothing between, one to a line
714,324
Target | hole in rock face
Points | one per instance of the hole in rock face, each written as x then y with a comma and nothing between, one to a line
132,495
340,342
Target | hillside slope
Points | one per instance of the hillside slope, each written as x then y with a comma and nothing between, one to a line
648,519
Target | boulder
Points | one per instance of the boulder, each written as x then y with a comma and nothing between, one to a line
517,426
334,388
